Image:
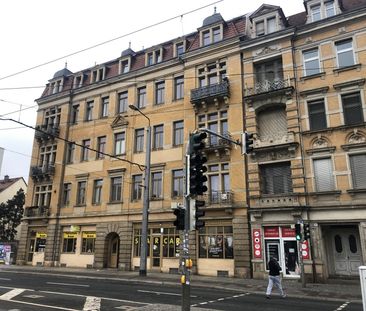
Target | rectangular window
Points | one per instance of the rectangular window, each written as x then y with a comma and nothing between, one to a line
81,194
358,170
104,108
206,40
216,242
66,194
74,114
150,59
122,102
276,178
88,242
89,111
179,48
156,185
85,150
141,97
42,195
158,137
158,57
97,191
317,117
178,133
179,88
352,108
139,140
171,243
329,8
70,153
116,189
101,147
216,33
178,180
259,28
119,143
69,242
136,187
315,13
125,66
271,24
159,93
323,173
345,53
311,62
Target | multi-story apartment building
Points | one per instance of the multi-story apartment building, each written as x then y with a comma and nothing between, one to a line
304,100
296,82
85,199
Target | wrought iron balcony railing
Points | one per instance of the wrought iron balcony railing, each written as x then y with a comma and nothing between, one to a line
218,198
36,211
217,143
210,92
46,132
42,172
268,86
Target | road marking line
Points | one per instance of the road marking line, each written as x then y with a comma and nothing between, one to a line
341,307
220,299
12,294
68,284
161,293
5,279
40,305
92,304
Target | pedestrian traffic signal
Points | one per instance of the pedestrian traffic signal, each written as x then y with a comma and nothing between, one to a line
298,232
306,232
247,143
196,213
180,217
196,168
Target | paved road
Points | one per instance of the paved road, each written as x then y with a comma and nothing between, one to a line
26,291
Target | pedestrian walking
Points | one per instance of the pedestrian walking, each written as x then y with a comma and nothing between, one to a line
274,277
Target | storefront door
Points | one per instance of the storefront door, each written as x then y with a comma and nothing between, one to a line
156,251
31,250
114,248
346,251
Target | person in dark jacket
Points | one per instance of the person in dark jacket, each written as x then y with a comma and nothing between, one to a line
274,277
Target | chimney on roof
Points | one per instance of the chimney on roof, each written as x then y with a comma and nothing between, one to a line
6,178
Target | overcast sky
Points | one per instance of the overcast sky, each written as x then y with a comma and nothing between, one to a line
38,31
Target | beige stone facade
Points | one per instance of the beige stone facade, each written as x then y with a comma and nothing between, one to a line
296,83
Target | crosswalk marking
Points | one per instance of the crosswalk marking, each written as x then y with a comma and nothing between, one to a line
92,304
11,294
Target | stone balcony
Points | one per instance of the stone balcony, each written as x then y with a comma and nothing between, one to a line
45,133
44,172
36,211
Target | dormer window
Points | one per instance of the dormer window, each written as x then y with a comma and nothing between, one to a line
212,35
319,9
154,57
315,13
56,86
98,75
179,49
124,66
78,81
150,59
265,26
329,8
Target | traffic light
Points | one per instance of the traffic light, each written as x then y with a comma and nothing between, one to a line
306,232
247,143
179,222
196,168
298,232
196,213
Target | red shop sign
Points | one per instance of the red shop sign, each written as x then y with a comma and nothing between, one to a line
287,232
257,243
271,232
305,250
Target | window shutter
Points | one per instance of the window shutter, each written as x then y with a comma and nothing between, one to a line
276,178
323,171
358,169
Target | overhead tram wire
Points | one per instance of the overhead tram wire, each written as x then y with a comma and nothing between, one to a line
140,166
109,41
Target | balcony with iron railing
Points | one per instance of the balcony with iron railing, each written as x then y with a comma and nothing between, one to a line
267,86
217,144
36,211
42,172
45,133
218,199
211,93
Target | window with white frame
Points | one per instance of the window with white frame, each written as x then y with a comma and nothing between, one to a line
74,114
97,191
178,88
81,193
158,137
323,174
122,102
156,185
159,93
70,153
179,49
136,187
211,35
42,195
104,107
47,157
218,182
315,13
89,110
345,55
321,9
124,66
120,143
78,81
265,26
116,189
311,62
317,115
211,73
52,117
66,195
141,97
216,122
329,8
358,170
101,144
352,108
177,183
139,140
178,133
85,149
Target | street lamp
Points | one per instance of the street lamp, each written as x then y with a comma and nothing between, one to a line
146,203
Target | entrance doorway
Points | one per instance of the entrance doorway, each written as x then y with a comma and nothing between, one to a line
345,251
112,242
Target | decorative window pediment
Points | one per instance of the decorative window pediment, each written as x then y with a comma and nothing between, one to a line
356,139
119,121
320,144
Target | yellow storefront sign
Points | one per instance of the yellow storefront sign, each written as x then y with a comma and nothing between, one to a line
41,235
70,235
89,235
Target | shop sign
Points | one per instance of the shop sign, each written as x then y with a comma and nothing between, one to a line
89,235
74,228
271,232
171,240
41,235
257,243
287,232
305,250
70,235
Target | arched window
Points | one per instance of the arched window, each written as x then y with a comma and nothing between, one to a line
338,244
352,244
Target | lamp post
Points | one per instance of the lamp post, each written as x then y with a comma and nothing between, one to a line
146,203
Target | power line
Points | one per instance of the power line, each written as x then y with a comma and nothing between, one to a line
109,41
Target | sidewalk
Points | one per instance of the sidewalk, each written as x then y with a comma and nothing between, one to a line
342,290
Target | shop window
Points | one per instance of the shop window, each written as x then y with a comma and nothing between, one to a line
216,242
88,242
69,243
40,245
137,243
171,243
338,244
352,244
